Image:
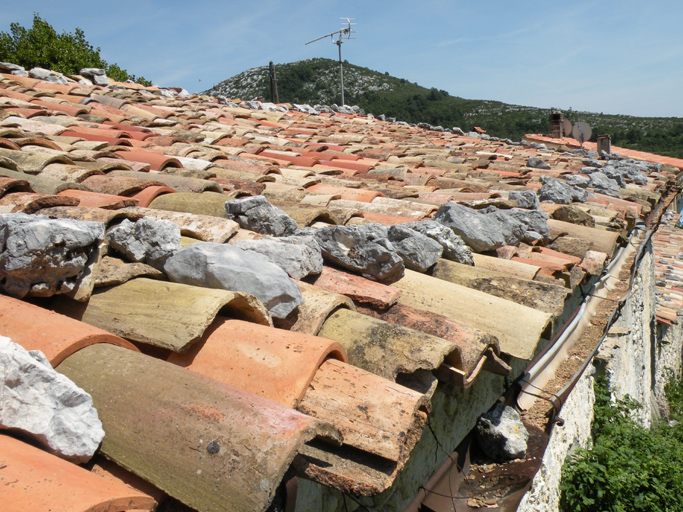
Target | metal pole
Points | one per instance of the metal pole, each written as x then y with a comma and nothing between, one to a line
341,71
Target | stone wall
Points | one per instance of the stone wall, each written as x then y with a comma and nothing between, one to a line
638,357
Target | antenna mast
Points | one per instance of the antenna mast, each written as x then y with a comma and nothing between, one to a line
344,32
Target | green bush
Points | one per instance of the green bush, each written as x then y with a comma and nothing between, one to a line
67,53
629,468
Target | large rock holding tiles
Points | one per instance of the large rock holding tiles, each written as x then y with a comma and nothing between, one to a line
43,257
418,251
453,246
299,256
48,76
535,222
536,163
363,249
226,267
482,231
501,434
525,199
574,215
146,240
557,192
257,214
46,405
604,185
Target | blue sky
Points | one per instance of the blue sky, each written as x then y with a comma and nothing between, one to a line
616,57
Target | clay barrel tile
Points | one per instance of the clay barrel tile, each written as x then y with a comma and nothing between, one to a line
32,163
69,173
272,363
206,203
373,414
97,200
383,348
162,314
470,345
306,215
179,183
9,185
523,270
37,481
518,328
601,240
542,296
27,202
156,161
120,186
202,227
41,184
318,304
357,288
211,446
57,336
150,193
107,217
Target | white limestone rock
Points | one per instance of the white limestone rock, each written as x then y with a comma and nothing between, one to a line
299,256
227,267
146,240
501,433
44,404
42,257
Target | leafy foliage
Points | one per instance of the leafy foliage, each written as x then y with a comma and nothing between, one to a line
67,53
316,81
629,468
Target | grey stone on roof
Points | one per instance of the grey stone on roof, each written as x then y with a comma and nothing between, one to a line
577,180
482,231
96,75
604,185
48,76
14,69
257,214
299,256
536,163
418,251
45,405
535,222
225,267
146,240
501,434
574,215
556,191
525,199
42,257
453,246
364,249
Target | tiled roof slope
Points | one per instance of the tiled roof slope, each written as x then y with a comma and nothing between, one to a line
201,393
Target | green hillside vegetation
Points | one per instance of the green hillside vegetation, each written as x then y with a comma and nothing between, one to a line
67,53
316,81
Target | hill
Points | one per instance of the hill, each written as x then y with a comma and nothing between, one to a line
316,81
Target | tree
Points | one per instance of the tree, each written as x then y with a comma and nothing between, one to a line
67,53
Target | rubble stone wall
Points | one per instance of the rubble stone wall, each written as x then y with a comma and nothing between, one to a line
638,357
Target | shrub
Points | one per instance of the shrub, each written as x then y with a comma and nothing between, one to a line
629,467
67,53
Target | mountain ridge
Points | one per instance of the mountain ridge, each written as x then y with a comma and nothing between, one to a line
316,81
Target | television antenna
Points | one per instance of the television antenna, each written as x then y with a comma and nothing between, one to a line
581,132
345,32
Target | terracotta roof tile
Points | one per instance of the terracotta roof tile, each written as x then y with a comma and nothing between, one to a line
40,482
